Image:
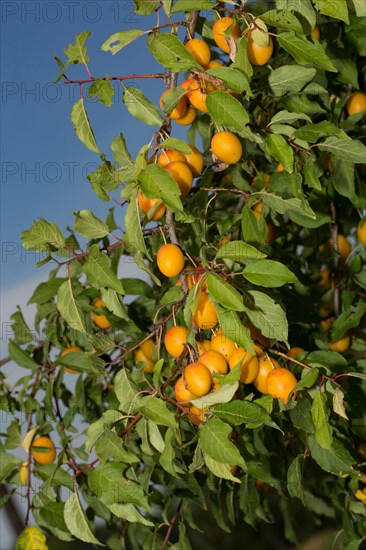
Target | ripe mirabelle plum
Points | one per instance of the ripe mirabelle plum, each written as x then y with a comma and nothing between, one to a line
188,118
221,343
356,103
48,453
259,55
195,161
279,168
182,175
203,345
341,345
195,278
144,354
146,204
361,231
226,147
70,349
180,110
249,366
198,379
169,155
293,353
344,247
214,361
175,339
196,415
214,64
197,93
200,51
170,260
266,365
315,33
205,316
280,383
218,32
182,394
100,320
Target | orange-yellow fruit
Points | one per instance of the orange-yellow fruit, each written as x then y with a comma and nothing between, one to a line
70,349
197,93
169,155
146,204
48,454
218,32
361,231
257,209
356,103
200,51
361,495
259,55
293,353
249,366
280,383
188,118
266,365
341,345
170,260
100,320
203,345
198,379
195,278
195,161
279,168
187,82
227,147
344,247
180,110
214,64
23,473
196,415
175,339
326,324
315,33
265,180
182,175
144,354
324,276
222,344
205,316
147,347
214,361
182,394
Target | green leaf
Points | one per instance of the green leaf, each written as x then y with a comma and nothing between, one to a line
305,51
166,459
224,293
294,478
155,409
169,52
140,107
113,303
250,228
320,416
290,79
52,515
77,522
268,273
155,436
219,469
177,144
338,404
89,226
77,53
171,99
21,331
132,221
77,360
310,176
282,19
227,111
126,392
129,513
223,395
308,380
119,40
285,116
268,316
343,178
69,307
349,318
192,5
231,78
360,8
107,483
239,251
347,149
214,441
21,357
96,429
312,132
42,235
304,9
44,292
234,329
335,460
80,120
8,463
99,272
31,538
14,438
241,412
285,206
111,446
121,154
278,147
337,9
103,89
242,62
